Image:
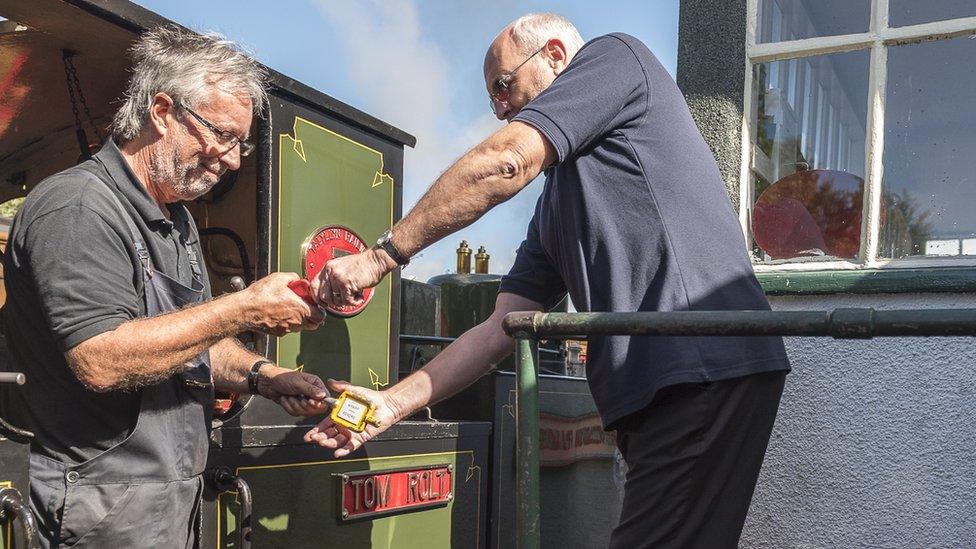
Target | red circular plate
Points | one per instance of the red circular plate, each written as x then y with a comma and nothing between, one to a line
329,243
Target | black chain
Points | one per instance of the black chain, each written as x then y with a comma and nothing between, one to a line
71,77
71,90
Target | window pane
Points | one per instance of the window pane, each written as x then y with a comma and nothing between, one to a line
930,140
781,20
808,156
913,12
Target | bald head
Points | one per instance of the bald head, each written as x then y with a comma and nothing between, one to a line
531,31
525,57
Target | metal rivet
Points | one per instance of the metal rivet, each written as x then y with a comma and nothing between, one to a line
450,468
72,477
345,514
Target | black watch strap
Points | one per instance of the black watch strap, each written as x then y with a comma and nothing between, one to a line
254,374
395,255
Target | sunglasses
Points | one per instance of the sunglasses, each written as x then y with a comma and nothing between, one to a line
500,87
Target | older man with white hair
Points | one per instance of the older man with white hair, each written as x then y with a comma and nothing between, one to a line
634,217
114,324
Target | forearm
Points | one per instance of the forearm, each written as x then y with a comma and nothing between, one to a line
231,363
489,174
459,365
145,350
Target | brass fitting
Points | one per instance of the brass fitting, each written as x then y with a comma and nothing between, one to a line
464,258
481,261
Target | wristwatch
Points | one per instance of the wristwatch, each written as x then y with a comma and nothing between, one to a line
254,374
385,241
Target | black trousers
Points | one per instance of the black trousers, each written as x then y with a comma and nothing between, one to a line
693,457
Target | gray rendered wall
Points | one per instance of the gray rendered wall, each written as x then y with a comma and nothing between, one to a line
875,443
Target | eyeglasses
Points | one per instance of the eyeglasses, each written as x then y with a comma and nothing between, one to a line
499,88
225,138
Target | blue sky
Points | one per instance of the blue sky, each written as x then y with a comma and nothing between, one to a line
417,65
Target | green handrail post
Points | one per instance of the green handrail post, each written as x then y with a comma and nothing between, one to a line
527,443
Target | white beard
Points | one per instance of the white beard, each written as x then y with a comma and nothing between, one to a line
186,180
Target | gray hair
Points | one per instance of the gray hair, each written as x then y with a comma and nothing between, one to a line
531,31
186,66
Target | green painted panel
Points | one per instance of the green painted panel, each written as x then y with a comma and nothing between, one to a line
327,179
297,506
955,279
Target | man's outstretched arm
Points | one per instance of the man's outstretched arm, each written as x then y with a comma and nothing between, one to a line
489,174
457,366
144,351
231,363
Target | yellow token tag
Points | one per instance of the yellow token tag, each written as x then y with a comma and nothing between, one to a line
353,412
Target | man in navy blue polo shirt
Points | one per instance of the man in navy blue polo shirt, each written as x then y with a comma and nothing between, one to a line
634,217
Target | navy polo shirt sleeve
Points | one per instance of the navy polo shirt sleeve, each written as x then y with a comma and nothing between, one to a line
82,269
603,88
533,276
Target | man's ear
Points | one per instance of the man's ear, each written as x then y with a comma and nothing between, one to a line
556,55
161,110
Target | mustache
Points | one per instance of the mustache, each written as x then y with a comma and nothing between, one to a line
218,169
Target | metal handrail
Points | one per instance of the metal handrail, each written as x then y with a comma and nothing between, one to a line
16,378
6,429
529,327
226,481
11,503
851,323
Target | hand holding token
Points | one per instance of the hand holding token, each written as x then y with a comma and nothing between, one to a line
303,289
357,408
354,413
271,306
298,393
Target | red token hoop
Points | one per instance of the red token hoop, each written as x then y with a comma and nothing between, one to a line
328,243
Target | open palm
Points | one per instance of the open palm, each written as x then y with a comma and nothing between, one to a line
344,441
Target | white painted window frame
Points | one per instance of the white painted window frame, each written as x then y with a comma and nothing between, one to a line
877,40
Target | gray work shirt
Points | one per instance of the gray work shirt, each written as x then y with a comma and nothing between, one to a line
72,273
635,217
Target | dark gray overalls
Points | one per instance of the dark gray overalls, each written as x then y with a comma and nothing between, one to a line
146,490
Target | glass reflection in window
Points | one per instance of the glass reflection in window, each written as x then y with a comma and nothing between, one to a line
808,156
913,12
782,20
930,141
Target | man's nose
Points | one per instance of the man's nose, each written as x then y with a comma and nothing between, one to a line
501,108
232,158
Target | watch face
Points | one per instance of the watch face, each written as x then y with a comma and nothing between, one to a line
329,243
384,242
